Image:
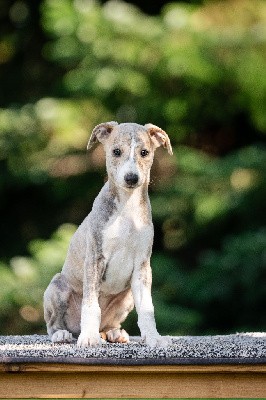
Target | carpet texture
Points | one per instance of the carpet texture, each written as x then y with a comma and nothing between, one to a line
249,348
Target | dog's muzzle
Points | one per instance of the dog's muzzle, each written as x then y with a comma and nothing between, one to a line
131,179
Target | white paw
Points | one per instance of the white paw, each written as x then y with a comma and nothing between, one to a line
158,341
89,340
62,336
117,336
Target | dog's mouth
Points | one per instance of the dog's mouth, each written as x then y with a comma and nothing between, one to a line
131,185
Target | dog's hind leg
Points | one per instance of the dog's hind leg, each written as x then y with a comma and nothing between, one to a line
115,309
56,302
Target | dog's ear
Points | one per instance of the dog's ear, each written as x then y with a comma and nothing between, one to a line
159,137
101,132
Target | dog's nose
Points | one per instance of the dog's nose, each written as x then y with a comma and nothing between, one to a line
131,179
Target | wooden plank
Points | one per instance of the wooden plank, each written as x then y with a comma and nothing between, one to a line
63,367
78,381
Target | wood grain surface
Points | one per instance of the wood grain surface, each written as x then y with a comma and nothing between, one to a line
88,381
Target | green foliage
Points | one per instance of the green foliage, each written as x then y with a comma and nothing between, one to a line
206,193
228,283
198,71
23,281
159,68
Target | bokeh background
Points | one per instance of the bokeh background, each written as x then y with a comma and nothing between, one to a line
198,70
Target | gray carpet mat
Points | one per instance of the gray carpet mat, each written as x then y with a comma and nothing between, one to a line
244,348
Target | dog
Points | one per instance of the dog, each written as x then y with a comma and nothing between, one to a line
107,268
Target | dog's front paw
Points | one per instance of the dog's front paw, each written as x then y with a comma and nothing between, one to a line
157,341
89,340
62,336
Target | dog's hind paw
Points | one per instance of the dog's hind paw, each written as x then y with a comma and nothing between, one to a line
62,336
117,336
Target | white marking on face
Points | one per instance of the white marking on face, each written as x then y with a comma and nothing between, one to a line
132,149
130,166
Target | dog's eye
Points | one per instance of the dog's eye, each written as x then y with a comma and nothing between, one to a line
117,152
144,153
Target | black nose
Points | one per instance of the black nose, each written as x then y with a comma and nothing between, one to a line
131,179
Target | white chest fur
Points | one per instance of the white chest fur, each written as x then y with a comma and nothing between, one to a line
125,238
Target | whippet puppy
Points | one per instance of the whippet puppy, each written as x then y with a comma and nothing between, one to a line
107,268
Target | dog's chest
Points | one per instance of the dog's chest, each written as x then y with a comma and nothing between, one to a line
121,241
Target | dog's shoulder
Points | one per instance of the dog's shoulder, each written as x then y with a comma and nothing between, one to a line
103,207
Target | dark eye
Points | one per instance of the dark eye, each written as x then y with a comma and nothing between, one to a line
144,153
117,152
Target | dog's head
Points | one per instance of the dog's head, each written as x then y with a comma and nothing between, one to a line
129,149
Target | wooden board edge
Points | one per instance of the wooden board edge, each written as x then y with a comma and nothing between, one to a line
63,367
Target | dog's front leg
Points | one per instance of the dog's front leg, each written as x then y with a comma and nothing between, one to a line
90,310
141,289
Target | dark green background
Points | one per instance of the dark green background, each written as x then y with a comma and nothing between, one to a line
195,69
